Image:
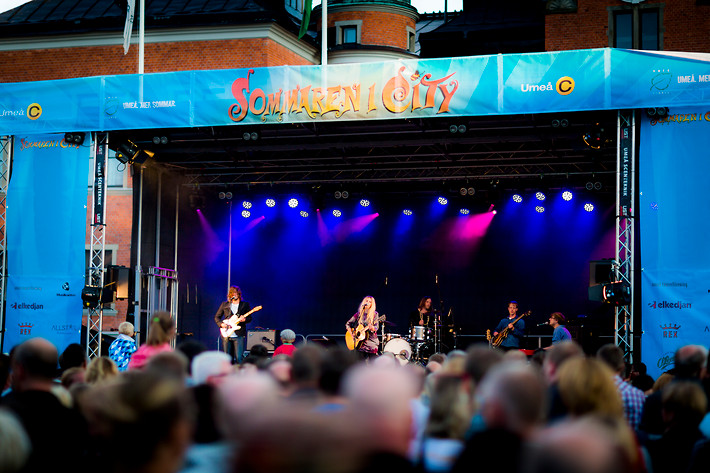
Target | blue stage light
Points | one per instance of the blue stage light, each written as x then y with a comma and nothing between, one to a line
293,203
588,207
304,214
246,204
364,202
567,195
539,209
337,213
464,211
443,200
540,196
407,212
270,202
517,198
246,214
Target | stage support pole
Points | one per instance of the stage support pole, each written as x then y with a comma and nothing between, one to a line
625,200
5,166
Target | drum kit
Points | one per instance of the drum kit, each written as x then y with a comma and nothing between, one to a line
417,347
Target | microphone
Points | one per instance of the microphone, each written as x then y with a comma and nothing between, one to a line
544,323
264,339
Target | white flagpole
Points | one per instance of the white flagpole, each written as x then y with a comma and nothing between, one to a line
324,33
141,39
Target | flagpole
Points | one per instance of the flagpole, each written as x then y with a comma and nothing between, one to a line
141,39
324,33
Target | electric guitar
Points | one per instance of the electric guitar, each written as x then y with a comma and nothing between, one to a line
503,334
355,338
233,322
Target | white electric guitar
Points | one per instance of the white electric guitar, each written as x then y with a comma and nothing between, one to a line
233,322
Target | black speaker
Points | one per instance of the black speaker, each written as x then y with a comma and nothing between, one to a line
600,272
261,337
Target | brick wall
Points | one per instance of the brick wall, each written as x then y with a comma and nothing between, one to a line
51,64
378,28
589,27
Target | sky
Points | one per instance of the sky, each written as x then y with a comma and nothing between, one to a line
422,6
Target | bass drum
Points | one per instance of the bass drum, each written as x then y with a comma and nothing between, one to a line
400,348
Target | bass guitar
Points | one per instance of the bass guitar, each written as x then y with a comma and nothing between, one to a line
233,322
503,334
355,338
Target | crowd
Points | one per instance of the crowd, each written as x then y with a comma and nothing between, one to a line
316,409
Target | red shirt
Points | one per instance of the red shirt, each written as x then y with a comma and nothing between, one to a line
285,349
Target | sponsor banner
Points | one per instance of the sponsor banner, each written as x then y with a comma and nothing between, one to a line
675,279
47,307
46,234
561,81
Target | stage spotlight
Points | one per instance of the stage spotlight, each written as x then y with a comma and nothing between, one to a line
253,136
567,195
490,207
464,211
304,214
470,191
160,140
337,213
589,186
597,186
407,212
364,202
564,123
338,194
539,209
196,200
617,293
228,195
222,195
246,204
246,214
270,202
657,112
517,198
293,203
443,200
555,123
463,191
462,128
594,138
540,196
128,153
345,194
494,212
588,207
76,138
453,129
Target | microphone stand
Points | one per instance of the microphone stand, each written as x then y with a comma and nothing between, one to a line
437,317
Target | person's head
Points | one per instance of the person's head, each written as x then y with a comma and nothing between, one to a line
450,406
73,355
288,336
438,358
34,365
684,404
556,319
557,355
210,367
234,294
587,387
691,362
368,306
153,411
613,356
162,328
73,376
425,303
169,363
512,309
479,359
306,366
191,348
126,328
512,396
100,370
15,445
259,351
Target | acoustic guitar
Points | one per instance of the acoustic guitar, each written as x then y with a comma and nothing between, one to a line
233,322
355,338
503,334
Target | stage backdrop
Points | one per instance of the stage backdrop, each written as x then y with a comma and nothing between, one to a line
674,231
46,231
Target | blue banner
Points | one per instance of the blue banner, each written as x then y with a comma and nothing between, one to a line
673,170
561,81
46,232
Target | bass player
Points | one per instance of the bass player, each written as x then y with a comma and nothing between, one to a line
515,331
367,319
235,344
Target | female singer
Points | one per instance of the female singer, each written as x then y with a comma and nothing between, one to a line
365,317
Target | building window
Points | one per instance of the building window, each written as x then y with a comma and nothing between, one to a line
411,39
637,28
348,32
115,171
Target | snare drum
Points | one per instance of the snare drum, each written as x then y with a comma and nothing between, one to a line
419,333
400,348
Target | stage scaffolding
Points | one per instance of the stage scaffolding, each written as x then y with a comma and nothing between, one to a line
625,201
5,165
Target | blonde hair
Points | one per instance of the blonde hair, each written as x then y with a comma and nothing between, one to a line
126,328
100,369
587,387
371,313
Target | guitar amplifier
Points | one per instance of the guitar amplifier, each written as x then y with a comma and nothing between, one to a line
263,337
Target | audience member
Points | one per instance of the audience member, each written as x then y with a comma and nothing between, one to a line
100,369
169,363
632,398
121,349
288,336
74,355
639,377
555,357
15,445
190,348
161,332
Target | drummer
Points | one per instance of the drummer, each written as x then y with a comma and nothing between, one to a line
423,316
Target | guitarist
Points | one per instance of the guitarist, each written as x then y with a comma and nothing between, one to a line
515,332
366,316
236,343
